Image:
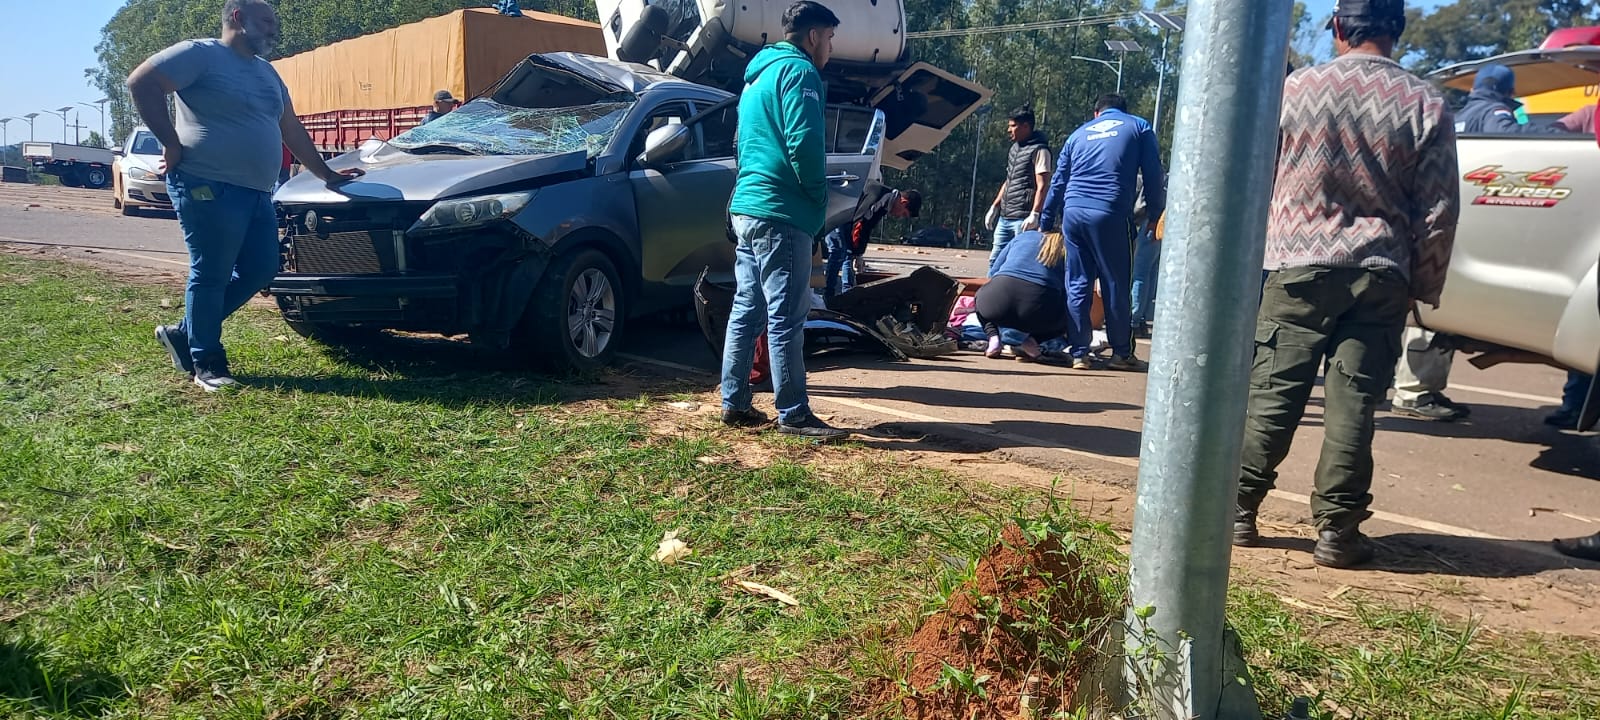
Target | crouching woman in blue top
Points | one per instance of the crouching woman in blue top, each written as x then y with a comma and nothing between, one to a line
1026,292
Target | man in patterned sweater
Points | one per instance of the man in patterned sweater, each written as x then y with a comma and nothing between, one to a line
1362,222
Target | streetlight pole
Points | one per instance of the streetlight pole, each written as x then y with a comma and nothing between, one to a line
1166,24
1181,657
1116,67
972,193
100,106
1121,48
29,117
5,137
63,113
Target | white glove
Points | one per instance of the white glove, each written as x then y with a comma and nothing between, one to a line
991,217
1032,222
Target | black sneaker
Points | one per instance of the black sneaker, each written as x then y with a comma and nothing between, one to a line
1345,548
1431,406
212,378
814,428
746,418
177,344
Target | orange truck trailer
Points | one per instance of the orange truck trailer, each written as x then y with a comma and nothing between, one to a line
381,85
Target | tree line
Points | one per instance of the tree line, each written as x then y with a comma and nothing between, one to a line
1022,68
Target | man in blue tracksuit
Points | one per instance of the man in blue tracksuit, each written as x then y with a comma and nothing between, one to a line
1091,199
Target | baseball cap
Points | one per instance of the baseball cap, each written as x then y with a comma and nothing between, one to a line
1376,9
444,96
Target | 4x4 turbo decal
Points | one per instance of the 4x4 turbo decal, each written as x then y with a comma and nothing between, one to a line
1519,189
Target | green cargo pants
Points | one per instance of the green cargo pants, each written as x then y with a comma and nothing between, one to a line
1348,320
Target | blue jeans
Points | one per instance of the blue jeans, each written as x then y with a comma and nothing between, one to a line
1098,248
1146,259
232,236
1575,392
1004,230
841,265
772,266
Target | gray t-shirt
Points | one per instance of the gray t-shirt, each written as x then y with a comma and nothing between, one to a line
228,112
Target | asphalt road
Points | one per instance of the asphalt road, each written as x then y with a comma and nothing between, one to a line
1502,477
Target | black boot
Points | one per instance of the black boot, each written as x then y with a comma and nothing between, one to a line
1245,533
1342,547
1586,547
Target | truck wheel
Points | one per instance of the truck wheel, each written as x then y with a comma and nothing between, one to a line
71,180
575,320
96,178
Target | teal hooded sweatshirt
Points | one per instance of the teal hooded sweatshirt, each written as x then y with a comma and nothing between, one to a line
782,141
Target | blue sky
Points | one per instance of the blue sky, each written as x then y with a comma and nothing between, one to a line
45,56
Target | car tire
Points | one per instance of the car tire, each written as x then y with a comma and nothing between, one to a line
96,178
575,321
71,180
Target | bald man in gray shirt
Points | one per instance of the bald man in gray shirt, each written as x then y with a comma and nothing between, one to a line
221,161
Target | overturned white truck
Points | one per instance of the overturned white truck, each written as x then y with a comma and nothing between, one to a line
710,42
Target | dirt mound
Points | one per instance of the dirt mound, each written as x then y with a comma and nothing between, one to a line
1026,625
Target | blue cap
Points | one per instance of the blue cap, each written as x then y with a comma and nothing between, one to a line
1496,78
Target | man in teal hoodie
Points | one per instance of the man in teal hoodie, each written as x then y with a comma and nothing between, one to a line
779,203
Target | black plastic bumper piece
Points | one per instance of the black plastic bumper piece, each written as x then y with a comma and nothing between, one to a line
395,286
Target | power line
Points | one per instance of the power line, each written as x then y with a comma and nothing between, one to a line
1024,27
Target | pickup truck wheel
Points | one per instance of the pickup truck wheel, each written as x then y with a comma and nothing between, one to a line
96,178
576,318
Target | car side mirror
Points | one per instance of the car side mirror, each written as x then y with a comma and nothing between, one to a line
663,144
117,151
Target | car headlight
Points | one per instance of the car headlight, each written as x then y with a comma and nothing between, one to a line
473,211
139,173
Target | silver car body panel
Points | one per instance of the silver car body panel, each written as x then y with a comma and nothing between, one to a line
393,174
1523,271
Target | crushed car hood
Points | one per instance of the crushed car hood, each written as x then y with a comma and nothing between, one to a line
392,174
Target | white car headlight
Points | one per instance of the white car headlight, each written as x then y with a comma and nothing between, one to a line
139,173
473,211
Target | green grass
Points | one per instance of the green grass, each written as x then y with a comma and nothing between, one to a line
416,532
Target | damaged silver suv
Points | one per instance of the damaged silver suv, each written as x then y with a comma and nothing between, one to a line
575,195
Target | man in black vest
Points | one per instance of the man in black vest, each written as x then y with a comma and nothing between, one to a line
1016,208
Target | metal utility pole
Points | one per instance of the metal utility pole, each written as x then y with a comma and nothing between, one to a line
29,117
1166,24
1182,662
5,135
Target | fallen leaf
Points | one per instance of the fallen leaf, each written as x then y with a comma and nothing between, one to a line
120,447
687,407
88,299
166,304
767,591
671,549
1457,487
681,492
168,544
280,338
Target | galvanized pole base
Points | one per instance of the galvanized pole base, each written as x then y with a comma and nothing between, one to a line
1181,663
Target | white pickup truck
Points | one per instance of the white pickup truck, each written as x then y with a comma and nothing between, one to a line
76,165
1524,282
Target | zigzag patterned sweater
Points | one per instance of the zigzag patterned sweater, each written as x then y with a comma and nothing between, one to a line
1366,173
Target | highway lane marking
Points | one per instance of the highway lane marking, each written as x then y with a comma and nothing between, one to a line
1396,518
38,243
1506,394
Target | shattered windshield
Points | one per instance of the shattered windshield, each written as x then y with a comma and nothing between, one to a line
485,127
